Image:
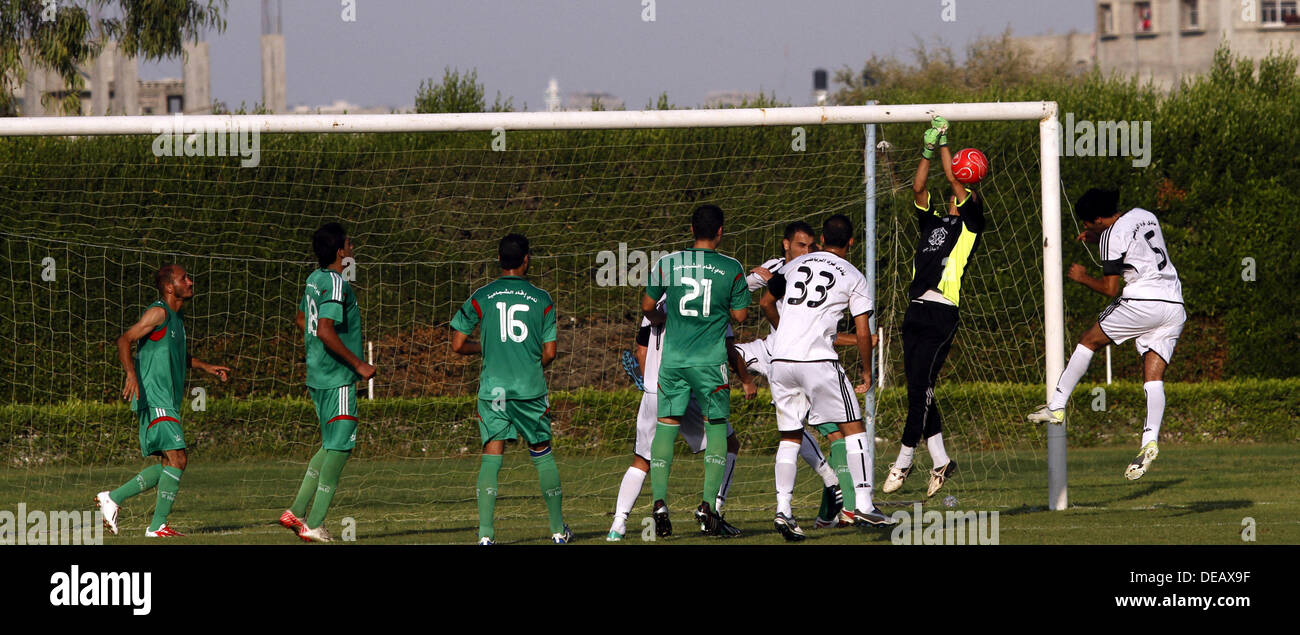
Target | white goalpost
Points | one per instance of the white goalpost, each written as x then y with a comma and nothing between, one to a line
412,266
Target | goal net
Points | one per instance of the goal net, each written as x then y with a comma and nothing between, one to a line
91,208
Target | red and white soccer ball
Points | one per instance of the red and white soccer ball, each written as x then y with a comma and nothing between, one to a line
970,166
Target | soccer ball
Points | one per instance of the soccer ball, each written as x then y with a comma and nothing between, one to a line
970,166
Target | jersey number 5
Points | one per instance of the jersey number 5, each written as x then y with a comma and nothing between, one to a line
516,330
1164,260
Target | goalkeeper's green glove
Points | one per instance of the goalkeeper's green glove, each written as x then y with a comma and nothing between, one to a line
931,142
941,124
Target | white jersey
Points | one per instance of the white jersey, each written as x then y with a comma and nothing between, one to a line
818,288
1135,247
773,266
655,352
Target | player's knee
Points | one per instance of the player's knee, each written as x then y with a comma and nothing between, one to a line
539,450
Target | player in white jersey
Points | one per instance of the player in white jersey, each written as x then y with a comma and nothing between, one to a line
810,296
650,342
1150,310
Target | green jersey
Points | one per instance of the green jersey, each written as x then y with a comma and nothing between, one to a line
329,296
515,319
700,288
161,364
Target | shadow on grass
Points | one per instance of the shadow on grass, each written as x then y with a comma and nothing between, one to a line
1148,490
1209,506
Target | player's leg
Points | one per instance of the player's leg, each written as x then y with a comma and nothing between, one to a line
674,394
293,517
694,430
835,402
169,484
787,456
918,350
147,479
839,461
533,419
634,478
485,489
945,319
729,469
338,438
1092,340
1157,348
711,384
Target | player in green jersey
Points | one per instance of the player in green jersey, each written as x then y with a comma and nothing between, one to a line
701,288
516,322
155,385
331,323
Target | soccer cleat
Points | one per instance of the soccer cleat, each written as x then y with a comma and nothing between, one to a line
939,476
895,479
726,529
708,519
845,519
1047,415
314,535
663,527
485,541
833,500
163,532
873,518
291,522
633,369
1142,463
562,537
109,510
788,528
613,536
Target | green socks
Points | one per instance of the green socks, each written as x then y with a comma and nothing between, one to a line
330,470
143,482
168,484
715,459
661,458
486,490
839,461
308,487
549,477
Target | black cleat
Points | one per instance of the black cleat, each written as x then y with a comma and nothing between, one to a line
663,527
726,529
708,520
788,528
873,518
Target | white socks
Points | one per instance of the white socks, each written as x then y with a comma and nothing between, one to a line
728,471
937,455
905,455
633,479
1074,371
811,453
1155,391
859,460
787,454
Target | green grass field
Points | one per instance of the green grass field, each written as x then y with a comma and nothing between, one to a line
1195,494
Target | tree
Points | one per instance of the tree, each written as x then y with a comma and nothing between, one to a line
63,37
457,93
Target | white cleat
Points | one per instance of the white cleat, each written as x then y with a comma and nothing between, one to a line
1047,415
109,509
163,532
486,542
1142,463
315,535
895,478
939,476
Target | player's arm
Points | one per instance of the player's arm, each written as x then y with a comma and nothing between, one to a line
302,321
147,323
548,353
958,188
864,341
650,308
767,304
1107,285
844,338
330,338
550,327
222,372
742,371
1088,236
930,142
461,345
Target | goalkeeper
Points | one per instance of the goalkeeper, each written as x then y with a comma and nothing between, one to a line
948,237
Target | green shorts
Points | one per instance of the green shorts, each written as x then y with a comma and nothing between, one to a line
826,428
160,430
709,383
336,409
511,418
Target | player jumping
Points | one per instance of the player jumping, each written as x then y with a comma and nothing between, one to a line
949,236
155,385
517,322
1150,309
331,323
701,288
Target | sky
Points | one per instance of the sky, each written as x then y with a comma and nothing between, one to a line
690,48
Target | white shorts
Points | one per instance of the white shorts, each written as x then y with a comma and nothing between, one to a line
647,420
1155,323
819,389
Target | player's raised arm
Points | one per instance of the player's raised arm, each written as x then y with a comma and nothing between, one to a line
930,142
147,323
